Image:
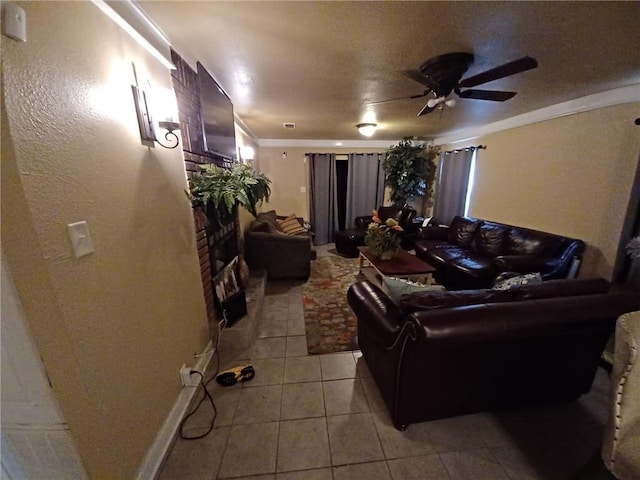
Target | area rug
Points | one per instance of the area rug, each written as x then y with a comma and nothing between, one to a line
330,324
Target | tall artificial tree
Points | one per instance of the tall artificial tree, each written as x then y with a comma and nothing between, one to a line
410,170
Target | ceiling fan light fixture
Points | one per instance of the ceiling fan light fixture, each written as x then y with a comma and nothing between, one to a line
367,129
451,102
433,102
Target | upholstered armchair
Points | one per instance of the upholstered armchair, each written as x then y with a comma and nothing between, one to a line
347,241
621,445
403,216
280,254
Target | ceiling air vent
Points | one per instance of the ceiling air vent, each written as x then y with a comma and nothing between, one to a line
289,125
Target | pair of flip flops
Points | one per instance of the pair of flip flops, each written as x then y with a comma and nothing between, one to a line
241,373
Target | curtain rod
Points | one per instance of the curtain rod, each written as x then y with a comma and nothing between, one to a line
479,147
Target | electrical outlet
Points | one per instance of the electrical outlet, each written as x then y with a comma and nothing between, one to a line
186,378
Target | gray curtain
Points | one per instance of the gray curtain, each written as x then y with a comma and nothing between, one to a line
452,185
365,185
323,212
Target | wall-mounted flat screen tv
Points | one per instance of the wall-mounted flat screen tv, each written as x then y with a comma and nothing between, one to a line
217,117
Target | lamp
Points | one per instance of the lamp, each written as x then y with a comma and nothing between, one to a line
169,136
145,122
367,129
433,102
247,153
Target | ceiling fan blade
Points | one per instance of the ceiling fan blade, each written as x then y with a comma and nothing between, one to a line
426,92
521,65
416,76
426,109
492,95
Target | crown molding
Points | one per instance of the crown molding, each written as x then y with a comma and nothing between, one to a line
609,98
239,123
133,20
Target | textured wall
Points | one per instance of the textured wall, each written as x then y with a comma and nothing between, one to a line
114,327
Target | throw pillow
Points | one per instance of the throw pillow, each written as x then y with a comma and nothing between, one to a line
291,226
395,288
270,218
526,279
489,239
461,231
260,226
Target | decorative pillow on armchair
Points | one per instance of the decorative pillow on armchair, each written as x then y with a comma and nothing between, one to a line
291,225
266,222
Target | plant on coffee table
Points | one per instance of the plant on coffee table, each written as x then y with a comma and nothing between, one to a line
633,247
382,237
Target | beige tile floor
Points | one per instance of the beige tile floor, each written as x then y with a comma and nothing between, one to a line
320,417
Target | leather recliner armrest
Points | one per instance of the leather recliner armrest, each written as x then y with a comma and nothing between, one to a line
383,318
433,233
522,263
362,222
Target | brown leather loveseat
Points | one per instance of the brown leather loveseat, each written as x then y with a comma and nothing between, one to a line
471,252
442,354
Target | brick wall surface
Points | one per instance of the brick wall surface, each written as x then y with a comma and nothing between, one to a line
185,85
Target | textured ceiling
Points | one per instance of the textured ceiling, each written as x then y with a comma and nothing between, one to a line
318,64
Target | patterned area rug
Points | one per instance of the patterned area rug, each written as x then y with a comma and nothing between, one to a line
330,324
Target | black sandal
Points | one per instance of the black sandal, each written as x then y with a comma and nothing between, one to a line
233,375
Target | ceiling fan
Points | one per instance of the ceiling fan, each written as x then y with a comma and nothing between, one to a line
442,75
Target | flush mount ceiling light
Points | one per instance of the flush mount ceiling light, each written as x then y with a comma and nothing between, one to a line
367,129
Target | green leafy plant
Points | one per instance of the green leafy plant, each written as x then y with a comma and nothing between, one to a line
382,238
226,188
410,170
633,247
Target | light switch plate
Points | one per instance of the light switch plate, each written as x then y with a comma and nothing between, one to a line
80,238
15,22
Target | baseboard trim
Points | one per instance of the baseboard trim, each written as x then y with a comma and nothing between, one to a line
153,461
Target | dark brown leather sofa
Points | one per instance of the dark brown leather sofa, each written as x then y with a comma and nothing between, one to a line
434,355
471,252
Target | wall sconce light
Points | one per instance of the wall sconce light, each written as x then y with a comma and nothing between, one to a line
367,129
145,122
169,136
247,153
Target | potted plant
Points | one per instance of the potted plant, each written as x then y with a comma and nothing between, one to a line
226,188
410,170
633,247
382,237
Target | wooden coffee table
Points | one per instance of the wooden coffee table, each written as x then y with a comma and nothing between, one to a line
403,264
